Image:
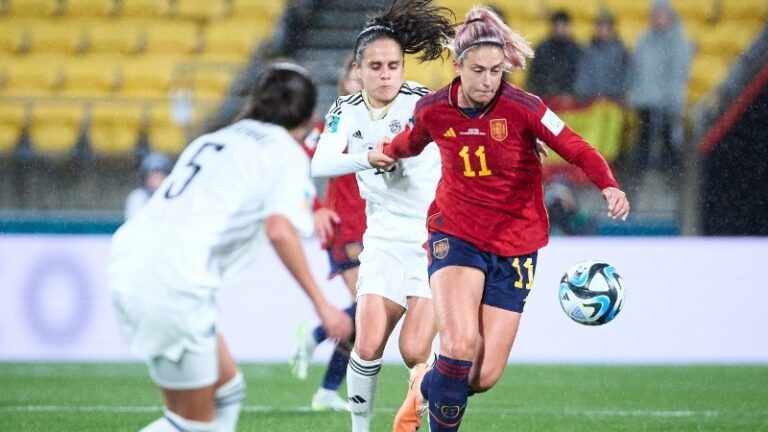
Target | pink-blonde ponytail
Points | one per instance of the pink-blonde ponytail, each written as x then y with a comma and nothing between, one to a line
483,27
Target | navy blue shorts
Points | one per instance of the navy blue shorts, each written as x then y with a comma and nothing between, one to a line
343,257
508,280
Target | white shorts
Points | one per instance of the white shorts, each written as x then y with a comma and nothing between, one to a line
179,345
393,270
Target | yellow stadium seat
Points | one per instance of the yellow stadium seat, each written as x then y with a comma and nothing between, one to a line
725,38
92,76
144,8
534,31
55,127
629,10
707,71
434,74
698,10
34,8
211,83
14,36
115,128
147,77
630,30
33,76
166,135
258,8
64,37
584,10
172,37
235,38
743,10
91,8
583,30
12,121
123,36
197,10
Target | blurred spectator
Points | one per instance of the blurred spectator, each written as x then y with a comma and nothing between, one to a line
154,168
657,89
291,27
565,216
603,68
553,71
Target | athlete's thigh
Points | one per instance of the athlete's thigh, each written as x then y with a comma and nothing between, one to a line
456,296
498,329
375,319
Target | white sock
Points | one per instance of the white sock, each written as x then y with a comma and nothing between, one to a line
229,400
172,422
362,377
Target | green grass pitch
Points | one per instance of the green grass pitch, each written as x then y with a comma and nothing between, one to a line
120,397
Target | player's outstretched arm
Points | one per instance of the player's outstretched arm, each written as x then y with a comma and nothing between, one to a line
288,246
377,158
618,204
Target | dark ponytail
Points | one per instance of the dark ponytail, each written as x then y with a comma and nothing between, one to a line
416,25
283,94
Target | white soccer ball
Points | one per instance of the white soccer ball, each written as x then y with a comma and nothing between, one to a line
592,292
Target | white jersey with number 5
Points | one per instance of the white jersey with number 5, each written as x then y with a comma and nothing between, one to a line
201,224
396,201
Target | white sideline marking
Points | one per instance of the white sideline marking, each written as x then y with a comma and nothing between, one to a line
302,409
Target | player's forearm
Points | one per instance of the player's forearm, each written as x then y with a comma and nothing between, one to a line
403,146
288,247
326,164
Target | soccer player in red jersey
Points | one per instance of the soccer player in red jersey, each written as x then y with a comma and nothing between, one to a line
488,219
339,224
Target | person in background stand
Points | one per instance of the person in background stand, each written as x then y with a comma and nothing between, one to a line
154,168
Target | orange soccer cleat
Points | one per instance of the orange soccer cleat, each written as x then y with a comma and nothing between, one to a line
408,417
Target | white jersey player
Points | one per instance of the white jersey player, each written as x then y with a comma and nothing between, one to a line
393,265
197,230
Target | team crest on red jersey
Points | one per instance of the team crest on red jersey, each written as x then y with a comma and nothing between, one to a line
499,129
440,248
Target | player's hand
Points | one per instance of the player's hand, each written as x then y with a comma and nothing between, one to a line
618,204
541,150
325,224
337,324
377,158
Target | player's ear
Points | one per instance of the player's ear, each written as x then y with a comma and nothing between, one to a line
356,70
457,67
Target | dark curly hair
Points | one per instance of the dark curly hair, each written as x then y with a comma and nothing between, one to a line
284,94
417,26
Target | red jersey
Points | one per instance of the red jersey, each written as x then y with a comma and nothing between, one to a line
491,191
343,197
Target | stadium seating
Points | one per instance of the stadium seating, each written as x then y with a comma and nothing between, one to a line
211,83
34,8
90,8
12,120
144,8
115,128
235,38
197,10
147,77
33,76
55,127
166,135
122,36
175,37
55,37
257,8
91,77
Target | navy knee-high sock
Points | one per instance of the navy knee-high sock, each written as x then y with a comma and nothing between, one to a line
337,366
319,332
447,385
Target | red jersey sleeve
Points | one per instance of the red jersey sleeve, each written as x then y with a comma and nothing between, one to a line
548,127
413,139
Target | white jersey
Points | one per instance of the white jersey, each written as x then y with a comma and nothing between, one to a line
201,224
397,201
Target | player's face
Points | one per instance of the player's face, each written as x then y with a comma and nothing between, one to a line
481,71
381,71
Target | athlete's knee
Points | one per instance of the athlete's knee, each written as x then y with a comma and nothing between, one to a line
368,351
458,346
485,379
413,355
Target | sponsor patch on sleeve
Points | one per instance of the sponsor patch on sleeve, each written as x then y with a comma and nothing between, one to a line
552,122
332,123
